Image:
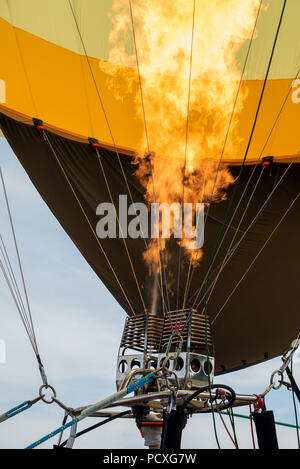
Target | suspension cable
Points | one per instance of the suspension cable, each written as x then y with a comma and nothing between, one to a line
186,146
104,112
191,271
162,272
97,425
7,270
219,239
18,409
236,231
47,139
18,256
256,257
141,382
245,190
124,241
250,226
7,267
198,291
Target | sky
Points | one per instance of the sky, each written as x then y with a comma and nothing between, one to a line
78,326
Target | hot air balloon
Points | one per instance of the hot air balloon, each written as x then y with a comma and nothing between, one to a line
168,103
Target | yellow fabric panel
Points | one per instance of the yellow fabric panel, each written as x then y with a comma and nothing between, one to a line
52,20
59,84
286,60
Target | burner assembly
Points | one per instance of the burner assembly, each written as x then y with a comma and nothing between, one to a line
181,341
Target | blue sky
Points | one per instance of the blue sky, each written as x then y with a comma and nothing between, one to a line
78,326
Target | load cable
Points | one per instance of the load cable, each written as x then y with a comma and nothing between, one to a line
47,139
97,425
120,227
100,405
236,186
186,146
256,257
198,291
107,122
236,230
149,156
18,409
7,270
190,273
248,229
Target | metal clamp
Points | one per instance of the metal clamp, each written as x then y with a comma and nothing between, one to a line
170,356
42,396
286,358
276,372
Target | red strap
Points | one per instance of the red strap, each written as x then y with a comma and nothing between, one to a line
259,404
153,423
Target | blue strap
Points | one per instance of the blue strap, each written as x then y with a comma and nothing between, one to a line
132,387
16,410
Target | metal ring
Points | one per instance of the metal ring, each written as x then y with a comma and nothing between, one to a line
272,378
46,386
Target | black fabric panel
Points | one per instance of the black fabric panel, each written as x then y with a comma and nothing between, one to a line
82,166
261,318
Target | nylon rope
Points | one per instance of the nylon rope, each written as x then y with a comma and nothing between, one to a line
226,428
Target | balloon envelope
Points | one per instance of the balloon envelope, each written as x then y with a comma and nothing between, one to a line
45,74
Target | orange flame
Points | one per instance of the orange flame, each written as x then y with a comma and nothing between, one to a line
163,32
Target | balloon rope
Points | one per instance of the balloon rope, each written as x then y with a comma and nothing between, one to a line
191,271
162,272
256,257
236,186
87,219
236,232
161,257
198,291
124,241
22,61
11,280
104,112
185,148
251,224
139,74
